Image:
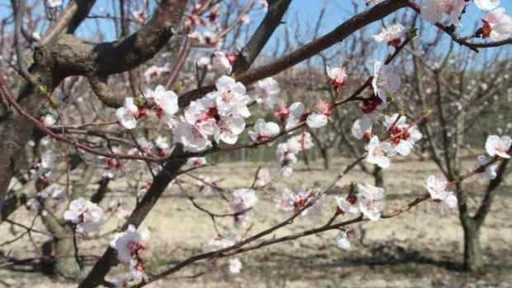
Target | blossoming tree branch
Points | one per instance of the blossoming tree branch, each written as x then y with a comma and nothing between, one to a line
177,87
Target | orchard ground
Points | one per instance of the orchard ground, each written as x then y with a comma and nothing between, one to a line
420,248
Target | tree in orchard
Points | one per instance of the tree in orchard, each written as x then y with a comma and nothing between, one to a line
79,104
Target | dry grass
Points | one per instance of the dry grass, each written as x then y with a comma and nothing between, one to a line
419,249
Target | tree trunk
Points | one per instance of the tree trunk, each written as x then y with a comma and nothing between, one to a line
325,155
377,176
62,253
305,158
473,257
66,264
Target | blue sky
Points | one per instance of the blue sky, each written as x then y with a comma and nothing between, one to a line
337,11
302,13
308,11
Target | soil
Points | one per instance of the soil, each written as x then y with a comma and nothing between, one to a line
421,248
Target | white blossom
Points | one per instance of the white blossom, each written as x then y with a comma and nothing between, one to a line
263,177
191,137
243,199
498,146
371,201
165,100
343,241
497,25
403,136
346,207
127,115
49,120
195,162
437,189
391,35
338,76
362,128
137,271
264,131
235,266
385,81
154,72
377,152
487,5
220,63
491,171
267,92
54,3
286,157
296,111
162,143
87,216
434,10
129,243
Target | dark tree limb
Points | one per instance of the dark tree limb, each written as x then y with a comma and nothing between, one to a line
160,182
490,193
100,87
339,34
19,8
69,20
67,56
274,16
79,57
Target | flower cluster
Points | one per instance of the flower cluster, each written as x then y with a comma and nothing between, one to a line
203,24
399,137
437,190
128,245
55,193
194,162
296,201
220,114
297,114
267,91
243,200
43,168
399,140
497,25
369,201
262,177
435,10
338,76
87,216
264,131
154,72
165,106
286,153
495,146
391,35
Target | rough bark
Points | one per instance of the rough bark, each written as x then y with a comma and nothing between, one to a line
473,257
61,252
378,176
160,183
65,55
325,155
